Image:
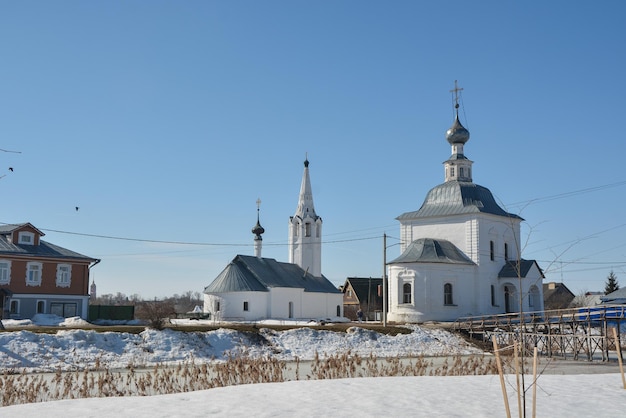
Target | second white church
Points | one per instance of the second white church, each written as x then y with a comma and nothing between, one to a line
460,251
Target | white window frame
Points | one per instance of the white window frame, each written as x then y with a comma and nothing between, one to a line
31,278
5,271
64,275
25,237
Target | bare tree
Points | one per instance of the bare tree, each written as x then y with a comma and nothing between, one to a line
156,313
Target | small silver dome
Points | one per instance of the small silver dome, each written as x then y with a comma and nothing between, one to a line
457,134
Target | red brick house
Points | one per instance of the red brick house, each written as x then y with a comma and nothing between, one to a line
39,277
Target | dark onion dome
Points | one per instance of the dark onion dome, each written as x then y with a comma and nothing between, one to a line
306,162
457,134
258,229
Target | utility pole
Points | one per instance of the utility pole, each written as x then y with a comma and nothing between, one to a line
384,280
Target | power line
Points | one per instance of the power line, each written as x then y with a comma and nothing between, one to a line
193,243
568,194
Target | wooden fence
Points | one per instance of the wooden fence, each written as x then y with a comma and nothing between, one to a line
577,333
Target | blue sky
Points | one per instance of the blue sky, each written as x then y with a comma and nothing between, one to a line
164,122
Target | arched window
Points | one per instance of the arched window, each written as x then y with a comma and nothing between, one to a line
493,295
307,229
406,293
533,297
506,252
41,306
491,251
338,310
447,294
14,307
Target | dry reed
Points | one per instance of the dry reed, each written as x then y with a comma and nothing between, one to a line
237,370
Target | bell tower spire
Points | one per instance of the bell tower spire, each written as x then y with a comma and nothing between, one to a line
305,230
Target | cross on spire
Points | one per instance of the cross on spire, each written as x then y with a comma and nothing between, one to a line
258,204
456,91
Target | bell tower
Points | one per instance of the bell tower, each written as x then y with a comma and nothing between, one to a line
305,230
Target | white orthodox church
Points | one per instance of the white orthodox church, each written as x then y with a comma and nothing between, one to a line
253,288
460,251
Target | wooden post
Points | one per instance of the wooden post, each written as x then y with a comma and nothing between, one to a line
534,383
519,391
618,348
500,372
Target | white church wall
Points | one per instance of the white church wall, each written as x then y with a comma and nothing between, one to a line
322,305
232,306
427,282
285,302
438,228
501,231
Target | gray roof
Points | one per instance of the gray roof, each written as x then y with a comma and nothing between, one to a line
510,269
248,273
44,249
429,250
617,296
455,198
8,228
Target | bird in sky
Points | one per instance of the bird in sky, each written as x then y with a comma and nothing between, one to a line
77,208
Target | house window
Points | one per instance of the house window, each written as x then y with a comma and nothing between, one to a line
5,271
491,250
27,238
66,310
33,273
338,310
64,274
493,295
41,306
447,294
349,292
506,252
245,305
406,293
307,229
14,307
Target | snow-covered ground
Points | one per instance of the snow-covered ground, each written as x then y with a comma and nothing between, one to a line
600,395
77,349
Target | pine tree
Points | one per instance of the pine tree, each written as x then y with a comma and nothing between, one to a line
611,284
